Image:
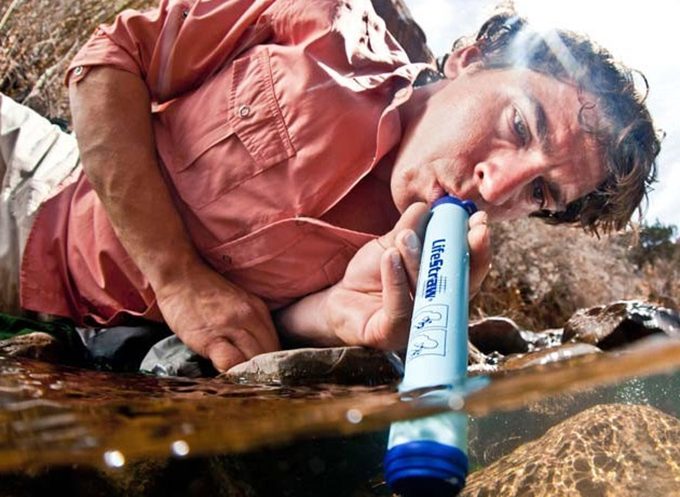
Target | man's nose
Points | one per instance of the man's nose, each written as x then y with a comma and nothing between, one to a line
500,182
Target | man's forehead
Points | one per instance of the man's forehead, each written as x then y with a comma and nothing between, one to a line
555,110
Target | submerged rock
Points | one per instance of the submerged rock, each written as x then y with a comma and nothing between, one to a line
616,449
338,365
620,323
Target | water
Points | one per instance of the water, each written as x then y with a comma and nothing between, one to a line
55,417
498,433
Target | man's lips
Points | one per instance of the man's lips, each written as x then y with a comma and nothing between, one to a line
437,191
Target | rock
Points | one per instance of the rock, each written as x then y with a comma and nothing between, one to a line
546,356
40,37
541,274
400,23
338,365
497,334
542,339
36,345
616,449
620,323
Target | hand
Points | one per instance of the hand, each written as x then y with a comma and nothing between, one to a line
216,319
479,242
373,302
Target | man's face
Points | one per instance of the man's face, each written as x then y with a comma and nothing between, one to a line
507,139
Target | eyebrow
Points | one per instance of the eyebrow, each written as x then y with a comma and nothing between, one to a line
543,136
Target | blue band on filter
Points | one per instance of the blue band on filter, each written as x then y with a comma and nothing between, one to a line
425,467
468,205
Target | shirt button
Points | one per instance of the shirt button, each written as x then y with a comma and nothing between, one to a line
244,111
78,71
403,93
185,13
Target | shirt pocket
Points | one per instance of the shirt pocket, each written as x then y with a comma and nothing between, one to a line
254,111
228,130
287,259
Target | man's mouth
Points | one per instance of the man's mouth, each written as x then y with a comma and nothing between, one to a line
437,191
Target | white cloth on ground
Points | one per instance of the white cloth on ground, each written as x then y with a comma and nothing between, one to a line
36,157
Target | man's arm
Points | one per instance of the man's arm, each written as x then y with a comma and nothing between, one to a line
373,302
112,121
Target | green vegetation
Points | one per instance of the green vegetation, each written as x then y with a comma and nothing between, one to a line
657,242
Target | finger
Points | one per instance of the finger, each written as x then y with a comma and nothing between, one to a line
253,331
267,336
397,302
479,217
410,248
479,240
415,217
246,341
224,355
229,346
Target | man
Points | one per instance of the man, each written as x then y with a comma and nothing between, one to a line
283,139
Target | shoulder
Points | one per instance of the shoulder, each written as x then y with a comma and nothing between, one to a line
293,15
355,28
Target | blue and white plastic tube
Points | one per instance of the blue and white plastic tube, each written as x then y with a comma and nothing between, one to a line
428,456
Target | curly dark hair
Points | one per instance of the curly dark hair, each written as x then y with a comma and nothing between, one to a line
626,135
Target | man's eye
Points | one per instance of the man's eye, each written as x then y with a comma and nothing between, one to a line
520,127
538,193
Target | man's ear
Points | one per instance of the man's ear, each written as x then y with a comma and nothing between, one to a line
461,60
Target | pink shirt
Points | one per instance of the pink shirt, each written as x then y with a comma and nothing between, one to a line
267,114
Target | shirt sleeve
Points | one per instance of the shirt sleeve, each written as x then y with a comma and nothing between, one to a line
175,46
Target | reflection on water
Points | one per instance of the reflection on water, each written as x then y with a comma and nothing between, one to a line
55,415
52,415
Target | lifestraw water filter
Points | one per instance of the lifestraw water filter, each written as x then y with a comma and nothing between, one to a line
428,456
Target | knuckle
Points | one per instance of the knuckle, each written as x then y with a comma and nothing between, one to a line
239,335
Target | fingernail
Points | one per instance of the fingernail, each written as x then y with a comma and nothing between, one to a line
411,241
395,259
481,217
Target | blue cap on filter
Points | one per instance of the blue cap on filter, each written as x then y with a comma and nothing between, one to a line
426,468
468,205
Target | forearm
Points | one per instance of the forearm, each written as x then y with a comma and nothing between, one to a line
112,121
306,321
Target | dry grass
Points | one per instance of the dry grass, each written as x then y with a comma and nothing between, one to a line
542,274
38,38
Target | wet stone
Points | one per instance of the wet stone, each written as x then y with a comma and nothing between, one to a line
542,339
497,334
337,365
546,356
620,323
36,345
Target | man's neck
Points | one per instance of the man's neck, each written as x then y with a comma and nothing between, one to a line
411,110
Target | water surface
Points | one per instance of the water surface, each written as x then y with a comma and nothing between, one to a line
54,415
